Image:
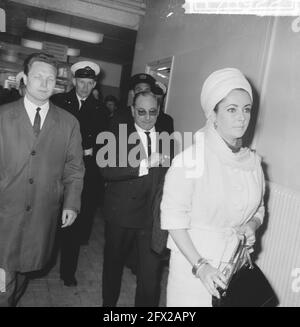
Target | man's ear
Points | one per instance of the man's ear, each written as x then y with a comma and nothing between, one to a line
94,83
158,110
130,97
74,81
132,110
25,79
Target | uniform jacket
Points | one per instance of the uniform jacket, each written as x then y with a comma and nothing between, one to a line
128,197
91,116
37,176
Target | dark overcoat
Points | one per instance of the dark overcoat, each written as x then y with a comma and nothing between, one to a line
91,116
37,176
128,197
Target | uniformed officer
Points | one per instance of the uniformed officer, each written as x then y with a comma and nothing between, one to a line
81,103
141,82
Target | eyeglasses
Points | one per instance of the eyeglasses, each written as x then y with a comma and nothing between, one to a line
142,112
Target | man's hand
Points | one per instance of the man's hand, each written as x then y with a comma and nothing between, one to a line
156,159
68,217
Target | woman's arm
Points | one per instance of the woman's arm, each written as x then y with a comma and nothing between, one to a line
250,228
176,205
210,276
185,245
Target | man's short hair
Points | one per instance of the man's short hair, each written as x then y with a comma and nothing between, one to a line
39,56
144,94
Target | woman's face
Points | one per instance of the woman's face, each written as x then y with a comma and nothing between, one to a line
233,115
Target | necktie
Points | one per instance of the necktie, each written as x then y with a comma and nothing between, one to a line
37,122
82,103
148,143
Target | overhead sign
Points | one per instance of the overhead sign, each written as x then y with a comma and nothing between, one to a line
59,51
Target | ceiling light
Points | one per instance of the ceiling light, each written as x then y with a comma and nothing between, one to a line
39,46
64,31
163,68
32,44
161,75
2,20
73,52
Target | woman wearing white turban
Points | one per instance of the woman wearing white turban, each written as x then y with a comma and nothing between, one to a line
204,211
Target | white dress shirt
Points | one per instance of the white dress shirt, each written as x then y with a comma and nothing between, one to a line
31,110
143,166
79,100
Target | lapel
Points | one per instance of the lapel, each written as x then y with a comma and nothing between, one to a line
73,101
20,123
19,113
158,140
131,129
52,118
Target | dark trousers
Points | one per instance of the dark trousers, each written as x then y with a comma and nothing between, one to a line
16,284
79,232
118,242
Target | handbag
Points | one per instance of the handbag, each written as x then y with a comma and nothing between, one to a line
247,284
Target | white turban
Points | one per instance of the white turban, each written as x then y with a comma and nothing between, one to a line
217,86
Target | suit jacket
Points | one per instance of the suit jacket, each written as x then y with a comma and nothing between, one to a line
91,116
37,176
128,197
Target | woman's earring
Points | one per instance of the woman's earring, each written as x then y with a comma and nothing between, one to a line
215,124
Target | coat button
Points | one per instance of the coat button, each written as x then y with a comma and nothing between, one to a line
28,208
31,180
33,153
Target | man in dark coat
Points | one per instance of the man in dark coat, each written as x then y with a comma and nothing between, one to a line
142,83
81,103
132,182
41,170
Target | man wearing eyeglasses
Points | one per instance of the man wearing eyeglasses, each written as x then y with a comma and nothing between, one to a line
145,83
128,199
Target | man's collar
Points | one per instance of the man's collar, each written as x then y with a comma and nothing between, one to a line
30,104
141,130
79,98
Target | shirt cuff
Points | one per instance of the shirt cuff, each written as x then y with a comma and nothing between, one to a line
88,152
143,168
73,209
2,281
